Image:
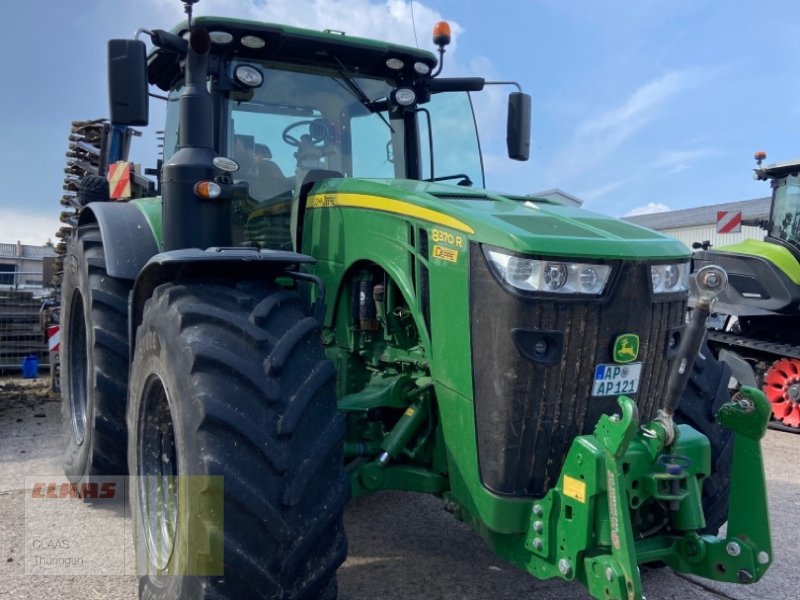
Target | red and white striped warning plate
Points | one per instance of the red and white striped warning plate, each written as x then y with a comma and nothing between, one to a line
54,338
729,221
119,180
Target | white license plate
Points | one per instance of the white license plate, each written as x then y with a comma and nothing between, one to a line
613,380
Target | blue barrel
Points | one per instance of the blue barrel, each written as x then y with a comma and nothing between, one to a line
30,367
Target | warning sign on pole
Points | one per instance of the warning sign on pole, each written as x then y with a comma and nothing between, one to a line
729,221
54,338
119,180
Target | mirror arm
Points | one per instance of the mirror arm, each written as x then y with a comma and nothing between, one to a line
514,83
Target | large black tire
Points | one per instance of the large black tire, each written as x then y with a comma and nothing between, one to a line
93,188
229,379
94,360
705,393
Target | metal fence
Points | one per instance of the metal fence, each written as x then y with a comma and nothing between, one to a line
22,326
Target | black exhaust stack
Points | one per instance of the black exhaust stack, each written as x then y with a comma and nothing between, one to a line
188,220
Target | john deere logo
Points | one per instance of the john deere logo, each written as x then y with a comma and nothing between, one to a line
626,348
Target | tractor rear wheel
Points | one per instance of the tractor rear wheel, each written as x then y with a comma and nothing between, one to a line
705,393
94,360
229,384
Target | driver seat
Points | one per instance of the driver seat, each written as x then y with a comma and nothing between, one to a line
269,180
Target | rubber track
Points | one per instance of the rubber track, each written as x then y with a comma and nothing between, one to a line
758,345
778,350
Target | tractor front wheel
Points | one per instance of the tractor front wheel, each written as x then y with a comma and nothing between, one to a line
235,446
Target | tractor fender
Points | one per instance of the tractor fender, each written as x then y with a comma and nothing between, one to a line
128,241
195,263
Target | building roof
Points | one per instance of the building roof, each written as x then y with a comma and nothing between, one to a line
758,208
558,195
28,251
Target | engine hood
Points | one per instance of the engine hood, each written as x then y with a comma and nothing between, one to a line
523,224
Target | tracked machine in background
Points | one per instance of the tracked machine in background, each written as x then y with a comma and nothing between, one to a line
309,311
760,333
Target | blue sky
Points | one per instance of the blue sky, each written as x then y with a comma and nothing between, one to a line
635,103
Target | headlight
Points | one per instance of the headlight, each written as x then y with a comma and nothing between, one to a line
404,96
249,76
668,279
555,276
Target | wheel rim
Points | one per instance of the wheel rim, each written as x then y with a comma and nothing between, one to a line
77,368
158,482
782,388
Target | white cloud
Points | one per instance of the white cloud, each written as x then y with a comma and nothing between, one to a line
602,190
28,228
648,209
638,108
599,137
676,161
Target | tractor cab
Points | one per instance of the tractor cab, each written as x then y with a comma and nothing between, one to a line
764,275
784,222
293,107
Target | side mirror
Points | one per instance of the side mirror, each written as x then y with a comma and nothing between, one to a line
127,82
518,128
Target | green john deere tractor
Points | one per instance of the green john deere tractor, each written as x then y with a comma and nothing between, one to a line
760,337
306,313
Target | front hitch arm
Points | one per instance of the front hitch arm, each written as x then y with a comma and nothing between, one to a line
619,569
744,553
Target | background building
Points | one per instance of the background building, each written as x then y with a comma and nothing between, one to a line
21,264
700,224
558,196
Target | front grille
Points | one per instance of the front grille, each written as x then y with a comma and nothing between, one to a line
527,413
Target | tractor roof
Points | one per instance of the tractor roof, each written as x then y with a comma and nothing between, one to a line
294,45
780,169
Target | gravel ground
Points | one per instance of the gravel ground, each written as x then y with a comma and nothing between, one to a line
402,545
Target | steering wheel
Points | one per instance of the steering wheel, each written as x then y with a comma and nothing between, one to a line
317,130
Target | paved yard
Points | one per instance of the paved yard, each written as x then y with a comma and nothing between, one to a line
402,545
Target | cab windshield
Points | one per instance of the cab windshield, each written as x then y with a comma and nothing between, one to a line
785,222
325,119
296,122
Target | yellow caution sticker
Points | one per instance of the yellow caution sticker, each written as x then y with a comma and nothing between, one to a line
447,254
410,412
575,489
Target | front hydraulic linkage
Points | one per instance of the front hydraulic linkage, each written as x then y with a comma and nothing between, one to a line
631,494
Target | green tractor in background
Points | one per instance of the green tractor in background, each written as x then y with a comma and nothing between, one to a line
760,335
305,313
